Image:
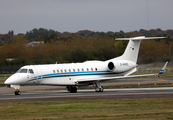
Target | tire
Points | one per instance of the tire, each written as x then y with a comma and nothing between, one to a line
99,89
102,89
17,92
73,90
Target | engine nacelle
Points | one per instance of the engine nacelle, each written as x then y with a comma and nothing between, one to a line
121,65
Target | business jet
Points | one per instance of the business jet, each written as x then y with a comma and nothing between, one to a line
83,74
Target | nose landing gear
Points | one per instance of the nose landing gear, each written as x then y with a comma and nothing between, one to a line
16,87
17,92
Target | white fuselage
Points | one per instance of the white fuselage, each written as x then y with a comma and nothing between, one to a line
68,74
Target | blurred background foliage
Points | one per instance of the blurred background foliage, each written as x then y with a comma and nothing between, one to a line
43,46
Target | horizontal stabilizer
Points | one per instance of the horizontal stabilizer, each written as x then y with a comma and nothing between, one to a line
140,38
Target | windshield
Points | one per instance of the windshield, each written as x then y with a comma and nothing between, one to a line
22,71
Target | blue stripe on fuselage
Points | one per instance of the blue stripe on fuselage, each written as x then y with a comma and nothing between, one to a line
72,74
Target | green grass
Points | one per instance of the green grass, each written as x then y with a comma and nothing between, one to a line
164,75
167,74
3,77
134,109
139,86
2,80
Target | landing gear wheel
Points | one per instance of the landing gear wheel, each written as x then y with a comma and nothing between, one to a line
73,90
68,88
17,92
102,89
99,89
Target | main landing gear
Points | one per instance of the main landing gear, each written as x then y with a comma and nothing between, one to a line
72,89
98,87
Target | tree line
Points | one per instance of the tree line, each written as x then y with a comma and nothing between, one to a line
79,47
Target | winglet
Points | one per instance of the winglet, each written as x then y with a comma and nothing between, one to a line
163,69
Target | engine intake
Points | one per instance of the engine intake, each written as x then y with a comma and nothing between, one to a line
111,66
120,66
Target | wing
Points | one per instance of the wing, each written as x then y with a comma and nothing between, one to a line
120,77
112,78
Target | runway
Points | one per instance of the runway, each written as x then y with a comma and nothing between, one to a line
130,93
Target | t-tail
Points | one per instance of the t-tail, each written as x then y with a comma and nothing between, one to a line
132,49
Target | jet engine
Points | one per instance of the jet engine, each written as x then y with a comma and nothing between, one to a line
121,65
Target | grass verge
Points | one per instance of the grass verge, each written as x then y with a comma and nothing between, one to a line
3,77
89,109
140,86
164,75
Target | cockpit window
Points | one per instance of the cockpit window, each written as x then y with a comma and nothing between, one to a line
31,71
22,71
18,71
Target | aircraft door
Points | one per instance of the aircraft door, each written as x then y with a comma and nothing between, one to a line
39,74
30,74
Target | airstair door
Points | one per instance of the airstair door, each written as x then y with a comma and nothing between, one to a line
39,73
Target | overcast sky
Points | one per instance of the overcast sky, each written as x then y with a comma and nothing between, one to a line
95,15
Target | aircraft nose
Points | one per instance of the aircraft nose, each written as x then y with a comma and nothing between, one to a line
10,80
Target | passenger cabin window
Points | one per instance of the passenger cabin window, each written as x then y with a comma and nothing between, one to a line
57,71
31,71
53,71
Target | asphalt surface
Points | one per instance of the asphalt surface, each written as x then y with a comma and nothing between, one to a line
119,82
130,93
51,93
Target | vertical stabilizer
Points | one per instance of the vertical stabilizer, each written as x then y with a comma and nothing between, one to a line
132,49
